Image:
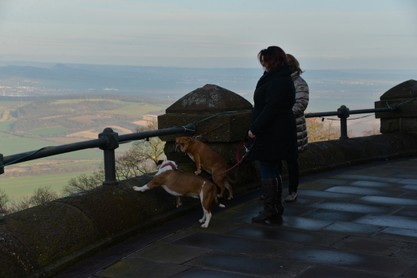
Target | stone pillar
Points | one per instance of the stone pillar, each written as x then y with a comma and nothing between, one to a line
222,118
404,120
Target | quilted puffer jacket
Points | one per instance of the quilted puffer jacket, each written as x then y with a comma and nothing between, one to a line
301,102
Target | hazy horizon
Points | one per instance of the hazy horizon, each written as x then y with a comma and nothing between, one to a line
256,67
322,34
328,88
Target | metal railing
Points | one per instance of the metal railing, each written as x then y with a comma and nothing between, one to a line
107,141
343,113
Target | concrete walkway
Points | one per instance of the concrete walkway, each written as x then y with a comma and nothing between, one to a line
353,222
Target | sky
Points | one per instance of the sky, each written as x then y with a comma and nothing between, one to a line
322,34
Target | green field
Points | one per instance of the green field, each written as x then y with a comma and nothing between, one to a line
62,169
17,188
43,130
77,101
135,109
49,131
11,144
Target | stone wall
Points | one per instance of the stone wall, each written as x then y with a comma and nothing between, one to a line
42,240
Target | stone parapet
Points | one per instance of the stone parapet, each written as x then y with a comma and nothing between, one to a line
43,240
403,96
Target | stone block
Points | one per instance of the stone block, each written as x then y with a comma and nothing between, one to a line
209,98
220,115
404,98
218,127
408,125
406,109
404,90
389,126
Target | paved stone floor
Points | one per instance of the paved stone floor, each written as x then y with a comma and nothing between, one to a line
353,222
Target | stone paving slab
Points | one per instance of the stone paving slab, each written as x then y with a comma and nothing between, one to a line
353,222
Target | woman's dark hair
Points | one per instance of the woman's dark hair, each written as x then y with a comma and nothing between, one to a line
272,57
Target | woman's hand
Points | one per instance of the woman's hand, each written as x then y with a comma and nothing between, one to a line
251,135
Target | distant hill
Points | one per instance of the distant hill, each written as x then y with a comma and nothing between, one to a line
126,80
328,88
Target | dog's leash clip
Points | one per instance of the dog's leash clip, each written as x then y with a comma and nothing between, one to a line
248,145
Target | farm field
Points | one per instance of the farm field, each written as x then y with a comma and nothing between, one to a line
17,188
30,125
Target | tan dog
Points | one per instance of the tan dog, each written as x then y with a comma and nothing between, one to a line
208,160
179,183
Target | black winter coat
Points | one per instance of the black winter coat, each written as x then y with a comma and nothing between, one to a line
273,122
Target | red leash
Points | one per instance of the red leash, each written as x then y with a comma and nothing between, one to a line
243,157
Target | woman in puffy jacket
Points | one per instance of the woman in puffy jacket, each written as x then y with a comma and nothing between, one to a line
273,128
301,102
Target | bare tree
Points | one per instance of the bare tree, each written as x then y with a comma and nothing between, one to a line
321,130
3,202
84,182
41,196
141,158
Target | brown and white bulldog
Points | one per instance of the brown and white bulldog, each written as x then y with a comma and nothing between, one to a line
205,158
180,183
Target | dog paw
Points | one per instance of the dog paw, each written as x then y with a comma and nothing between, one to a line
204,225
140,188
178,203
198,172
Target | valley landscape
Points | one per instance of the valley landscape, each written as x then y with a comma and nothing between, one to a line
47,105
28,125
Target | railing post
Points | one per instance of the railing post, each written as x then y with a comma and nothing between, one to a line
1,164
112,143
343,114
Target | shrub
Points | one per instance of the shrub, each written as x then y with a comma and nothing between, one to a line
41,196
3,202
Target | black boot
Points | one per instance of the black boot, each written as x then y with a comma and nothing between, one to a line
279,203
273,208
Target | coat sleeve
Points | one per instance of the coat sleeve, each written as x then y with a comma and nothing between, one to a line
276,101
301,96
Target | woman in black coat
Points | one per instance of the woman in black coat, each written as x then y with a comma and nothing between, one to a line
273,127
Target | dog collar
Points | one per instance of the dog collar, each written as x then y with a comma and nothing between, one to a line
169,163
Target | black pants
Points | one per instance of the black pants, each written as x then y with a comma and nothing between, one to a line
293,169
